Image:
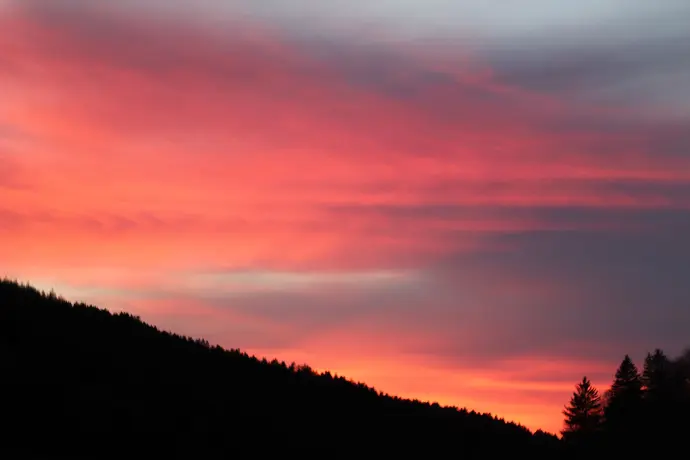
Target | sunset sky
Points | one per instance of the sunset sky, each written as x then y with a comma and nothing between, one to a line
470,201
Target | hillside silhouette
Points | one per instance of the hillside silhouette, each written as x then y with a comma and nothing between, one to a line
79,379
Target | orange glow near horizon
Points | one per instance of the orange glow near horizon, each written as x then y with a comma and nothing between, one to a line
403,216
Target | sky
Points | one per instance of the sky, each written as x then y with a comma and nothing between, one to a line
473,202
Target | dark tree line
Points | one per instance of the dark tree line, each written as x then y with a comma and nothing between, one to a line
647,411
80,380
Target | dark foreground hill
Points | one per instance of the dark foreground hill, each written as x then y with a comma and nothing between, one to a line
76,378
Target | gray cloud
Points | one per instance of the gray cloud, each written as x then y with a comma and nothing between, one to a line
623,290
573,294
482,19
576,293
635,74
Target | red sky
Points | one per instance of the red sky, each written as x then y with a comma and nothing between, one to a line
439,219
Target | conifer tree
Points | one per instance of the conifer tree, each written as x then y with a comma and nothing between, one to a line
656,374
622,411
583,414
628,381
660,411
681,390
681,373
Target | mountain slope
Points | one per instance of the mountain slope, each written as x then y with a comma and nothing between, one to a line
78,375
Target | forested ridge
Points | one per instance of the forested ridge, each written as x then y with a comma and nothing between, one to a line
75,375
78,379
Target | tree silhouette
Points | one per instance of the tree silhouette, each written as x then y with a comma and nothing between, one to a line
656,375
642,413
623,411
628,380
583,414
681,374
661,397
